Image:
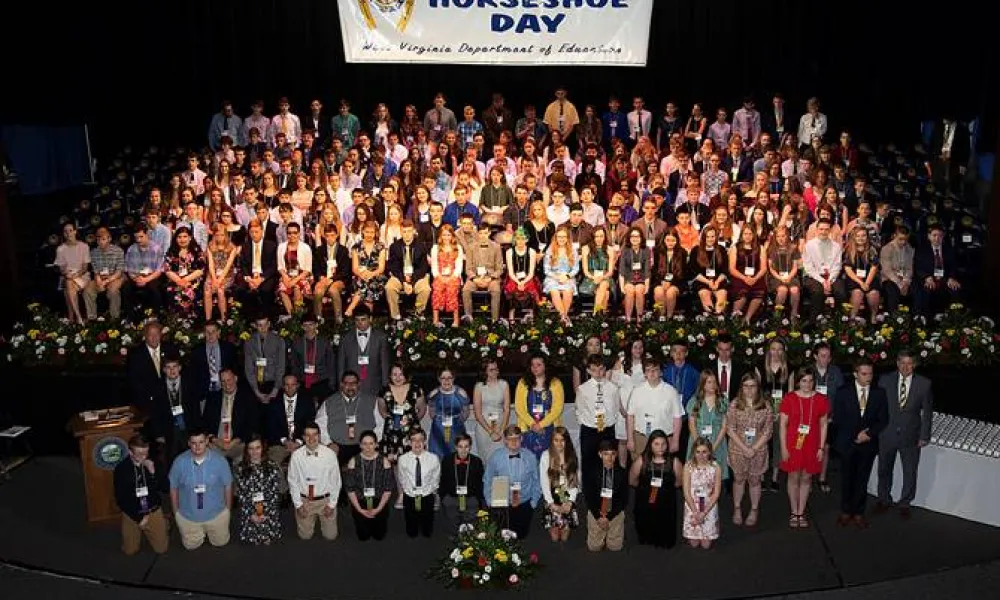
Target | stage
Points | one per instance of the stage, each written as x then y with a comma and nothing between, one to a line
42,516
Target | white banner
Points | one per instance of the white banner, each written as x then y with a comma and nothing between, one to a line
500,32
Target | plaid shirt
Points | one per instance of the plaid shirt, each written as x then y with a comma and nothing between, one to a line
138,259
467,130
108,261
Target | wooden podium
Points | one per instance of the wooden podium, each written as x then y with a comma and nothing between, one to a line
103,436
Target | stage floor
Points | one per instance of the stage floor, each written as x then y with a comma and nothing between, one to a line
42,517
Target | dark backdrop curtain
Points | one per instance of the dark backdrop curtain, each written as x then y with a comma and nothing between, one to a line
155,71
47,158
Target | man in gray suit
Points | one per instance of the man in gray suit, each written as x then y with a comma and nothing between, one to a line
483,268
264,360
365,350
313,362
911,406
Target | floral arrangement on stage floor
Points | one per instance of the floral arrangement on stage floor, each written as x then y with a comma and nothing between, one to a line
955,337
484,555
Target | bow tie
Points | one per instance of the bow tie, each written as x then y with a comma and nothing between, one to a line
517,455
312,452
363,334
462,461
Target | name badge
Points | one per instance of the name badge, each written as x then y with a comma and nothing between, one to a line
446,271
599,410
706,430
821,389
613,124
369,492
437,128
784,274
177,410
462,490
862,273
537,409
967,238
541,247
939,273
447,421
141,492
293,273
841,195
481,271
499,120
351,419
649,425
607,492
145,271
710,273
106,272
344,132
735,172
776,394
362,360
803,429
562,120
750,434
200,489
256,271
700,492
656,482
520,275
257,497
749,271
310,369
227,419
398,411
220,273
408,271
650,243
424,217
261,362
331,266
637,266
182,271
562,480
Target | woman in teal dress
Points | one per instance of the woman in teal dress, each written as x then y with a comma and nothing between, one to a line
707,418
449,408
598,269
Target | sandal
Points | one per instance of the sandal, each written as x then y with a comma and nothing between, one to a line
824,486
793,521
752,518
738,517
803,522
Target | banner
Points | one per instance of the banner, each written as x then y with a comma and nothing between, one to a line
498,32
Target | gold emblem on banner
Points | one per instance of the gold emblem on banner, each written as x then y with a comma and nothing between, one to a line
387,7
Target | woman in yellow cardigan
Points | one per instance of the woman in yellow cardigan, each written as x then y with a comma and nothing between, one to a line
538,403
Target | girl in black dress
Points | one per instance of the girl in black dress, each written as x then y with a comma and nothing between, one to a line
655,511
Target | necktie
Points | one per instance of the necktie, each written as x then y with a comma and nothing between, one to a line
864,400
213,366
902,392
724,380
408,257
225,126
256,257
418,477
156,361
938,260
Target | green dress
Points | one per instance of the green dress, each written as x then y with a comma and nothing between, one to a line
596,261
709,424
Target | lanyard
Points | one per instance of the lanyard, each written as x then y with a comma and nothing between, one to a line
812,405
468,468
139,472
608,478
364,479
679,371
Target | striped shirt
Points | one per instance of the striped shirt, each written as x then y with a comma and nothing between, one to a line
107,261
139,259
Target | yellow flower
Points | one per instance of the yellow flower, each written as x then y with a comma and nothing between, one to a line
620,335
886,331
650,332
795,334
904,309
283,333
245,336
492,338
113,334
828,334
500,556
407,334
83,333
713,332
34,333
482,514
467,553
472,332
770,335
956,306
431,337
680,332
33,306
921,334
949,332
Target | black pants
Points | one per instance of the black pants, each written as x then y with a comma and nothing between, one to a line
817,297
419,521
856,469
590,441
260,299
374,528
929,302
517,519
893,295
148,296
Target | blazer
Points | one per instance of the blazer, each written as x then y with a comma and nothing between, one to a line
271,232
342,272
923,263
735,374
960,143
273,350
323,133
162,418
143,377
394,264
198,366
268,259
744,172
912,423
850,422
377,352
324,361
245,419
277,425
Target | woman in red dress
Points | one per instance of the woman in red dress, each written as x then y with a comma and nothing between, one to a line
803,434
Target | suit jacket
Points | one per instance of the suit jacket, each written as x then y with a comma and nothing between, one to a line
343,258
960,143
162,417
489,257
850,422
735,374
324,361
427,234
394,264
285,181
923,263
323,132
143,378
273,350
271,232
245,419
277,424
198,363
268,258
744,172
911,423
377,352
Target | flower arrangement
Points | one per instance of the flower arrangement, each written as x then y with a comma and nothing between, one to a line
955,337
484,555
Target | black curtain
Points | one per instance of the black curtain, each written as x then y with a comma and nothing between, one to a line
154,72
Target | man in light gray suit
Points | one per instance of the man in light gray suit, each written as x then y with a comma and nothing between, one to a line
365,351
264,360
911,406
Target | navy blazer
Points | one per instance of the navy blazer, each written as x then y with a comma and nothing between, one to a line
277,425
849,420
343,258
923,263
198,367
245,418
268,259
744,172
421,266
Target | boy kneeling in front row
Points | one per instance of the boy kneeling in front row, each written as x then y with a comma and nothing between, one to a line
606,492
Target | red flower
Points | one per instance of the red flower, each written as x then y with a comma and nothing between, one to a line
482,561
102,336
782,332
963,343
904,338
546,340
533,558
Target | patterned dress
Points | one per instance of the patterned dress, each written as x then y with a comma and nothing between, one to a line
371,290
539,406
220,257
702,488
292,268
258,484
185,300
402,417
447,407
750,425
445,291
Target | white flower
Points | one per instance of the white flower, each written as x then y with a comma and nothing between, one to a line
488,569
62,351
514,558
454,573
508,535
481,535
512,579
442,354
486,576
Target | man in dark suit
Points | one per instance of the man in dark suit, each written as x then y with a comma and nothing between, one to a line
736,164
427,232
365,350
950,150
230,417
935,273
263,214
911,410
177,410
727,372
318,123
145,367
287,417
313,362
409,271
861,412
209,359
331,272
259,266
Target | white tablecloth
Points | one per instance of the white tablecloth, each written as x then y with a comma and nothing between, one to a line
952,482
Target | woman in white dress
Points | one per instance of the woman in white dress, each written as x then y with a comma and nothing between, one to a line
491,406
627,374
73,261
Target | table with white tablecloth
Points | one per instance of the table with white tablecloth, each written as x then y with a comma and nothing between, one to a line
953,482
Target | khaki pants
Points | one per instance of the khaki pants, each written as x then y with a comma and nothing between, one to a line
640,445
306,526
234,452
335,290
613,537
156,531
193,534
393,289
493,288
114,292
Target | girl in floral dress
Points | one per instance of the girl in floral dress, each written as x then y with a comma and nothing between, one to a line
446,268
402,405
257,495
560,482
702,485
222,264
185,268
368,258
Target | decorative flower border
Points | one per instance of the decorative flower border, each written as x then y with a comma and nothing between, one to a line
484,555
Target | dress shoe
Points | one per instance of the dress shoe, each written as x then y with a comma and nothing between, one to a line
904,511
881,507
843,520
860,522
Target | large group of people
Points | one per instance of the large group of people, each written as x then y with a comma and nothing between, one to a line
236,436
589,211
